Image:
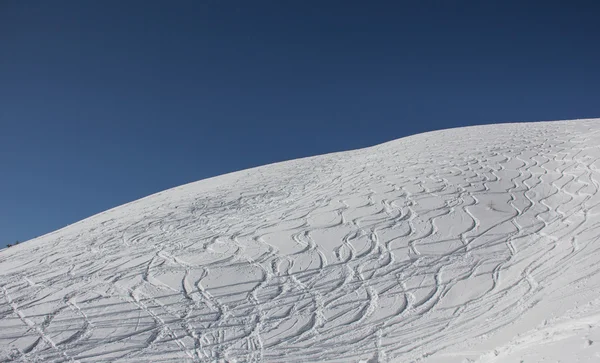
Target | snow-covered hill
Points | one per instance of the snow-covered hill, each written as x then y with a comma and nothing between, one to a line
462,245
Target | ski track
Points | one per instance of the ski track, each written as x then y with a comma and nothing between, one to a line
461,245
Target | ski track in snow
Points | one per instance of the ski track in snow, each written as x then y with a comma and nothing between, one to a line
477,244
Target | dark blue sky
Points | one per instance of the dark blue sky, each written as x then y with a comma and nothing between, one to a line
104,102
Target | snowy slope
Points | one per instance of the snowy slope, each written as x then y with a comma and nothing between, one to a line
478,244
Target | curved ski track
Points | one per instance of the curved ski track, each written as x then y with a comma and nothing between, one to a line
461,245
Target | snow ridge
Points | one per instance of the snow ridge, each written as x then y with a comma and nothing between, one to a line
461,245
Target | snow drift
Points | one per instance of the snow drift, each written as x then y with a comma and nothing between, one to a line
462,245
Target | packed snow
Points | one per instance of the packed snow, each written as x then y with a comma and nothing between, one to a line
476,244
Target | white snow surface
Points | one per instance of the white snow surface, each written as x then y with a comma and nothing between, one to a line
476,244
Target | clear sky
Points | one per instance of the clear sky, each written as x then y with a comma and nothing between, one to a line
104,102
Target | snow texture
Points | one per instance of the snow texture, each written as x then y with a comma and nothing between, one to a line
477,244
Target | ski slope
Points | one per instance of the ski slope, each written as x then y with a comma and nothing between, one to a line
477,244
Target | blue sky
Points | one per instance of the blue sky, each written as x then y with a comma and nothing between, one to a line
104,102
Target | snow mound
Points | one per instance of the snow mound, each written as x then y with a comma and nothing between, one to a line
462,245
